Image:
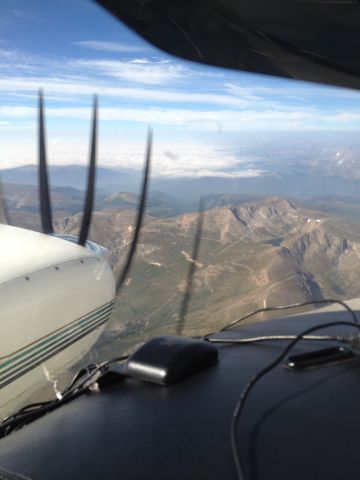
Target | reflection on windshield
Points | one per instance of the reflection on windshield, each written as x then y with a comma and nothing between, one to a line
274,165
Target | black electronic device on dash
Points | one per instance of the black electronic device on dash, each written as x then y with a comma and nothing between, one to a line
319,358
168,359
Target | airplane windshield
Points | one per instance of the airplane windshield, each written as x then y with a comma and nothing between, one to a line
253,195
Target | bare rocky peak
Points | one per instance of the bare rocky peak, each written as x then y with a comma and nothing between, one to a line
108,228
256,220
260,252
273,216
126,197
266,219
316,242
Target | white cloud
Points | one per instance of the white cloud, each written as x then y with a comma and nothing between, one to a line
241,92
140,60
17,111
219,120
198,120
109,46
232,174
347,117
82,86
290,89
6,53
194,160
191,160
12,60
57,98
157,72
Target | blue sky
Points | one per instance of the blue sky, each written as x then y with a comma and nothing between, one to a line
72,49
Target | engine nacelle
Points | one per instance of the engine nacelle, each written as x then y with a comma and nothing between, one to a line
55,298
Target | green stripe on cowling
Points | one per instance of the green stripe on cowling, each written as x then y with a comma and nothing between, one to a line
54,344
27,367
39,358
68,328
51,342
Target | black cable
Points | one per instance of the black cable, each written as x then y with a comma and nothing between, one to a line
101,368
286,307
251,384
277,338
19,420
85,370
33,411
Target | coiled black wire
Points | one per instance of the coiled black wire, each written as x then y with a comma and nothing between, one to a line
251,384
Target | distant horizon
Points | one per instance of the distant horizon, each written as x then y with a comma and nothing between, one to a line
252,155
237,175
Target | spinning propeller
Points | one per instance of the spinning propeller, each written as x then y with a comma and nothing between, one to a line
46,211
44,195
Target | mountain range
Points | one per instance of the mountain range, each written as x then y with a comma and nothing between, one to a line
264,252
304,185
255,250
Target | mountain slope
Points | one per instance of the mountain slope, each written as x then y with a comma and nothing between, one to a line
254,254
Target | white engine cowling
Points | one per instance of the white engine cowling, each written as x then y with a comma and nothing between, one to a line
55,298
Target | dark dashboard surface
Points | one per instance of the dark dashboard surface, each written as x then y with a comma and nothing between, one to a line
296,425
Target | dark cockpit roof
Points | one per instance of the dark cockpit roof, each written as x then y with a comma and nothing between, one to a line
315,40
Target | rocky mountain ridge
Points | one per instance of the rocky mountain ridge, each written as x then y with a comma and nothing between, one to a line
258,253
253,253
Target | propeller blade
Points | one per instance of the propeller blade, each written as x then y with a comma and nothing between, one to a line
89,199
45,206
4,214
140,215
192,268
